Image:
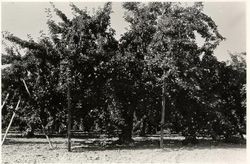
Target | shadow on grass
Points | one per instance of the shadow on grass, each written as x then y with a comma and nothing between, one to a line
20,142
140,143
146,143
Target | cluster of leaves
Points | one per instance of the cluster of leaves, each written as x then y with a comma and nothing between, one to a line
84,45
118,85
163,38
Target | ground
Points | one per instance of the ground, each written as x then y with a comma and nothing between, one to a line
143,150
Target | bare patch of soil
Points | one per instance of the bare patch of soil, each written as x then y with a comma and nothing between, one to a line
143,150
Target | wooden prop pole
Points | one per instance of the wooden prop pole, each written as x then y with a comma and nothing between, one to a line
26,86
11,120
6,98
69,110
44,131
163,113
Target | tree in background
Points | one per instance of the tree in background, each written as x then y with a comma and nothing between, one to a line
233,94
39,72
164,36
85,43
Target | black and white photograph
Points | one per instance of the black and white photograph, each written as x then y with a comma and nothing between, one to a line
123,81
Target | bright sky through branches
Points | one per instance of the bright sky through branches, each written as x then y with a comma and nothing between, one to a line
22,18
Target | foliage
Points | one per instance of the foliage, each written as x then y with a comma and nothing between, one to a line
117,85
85,44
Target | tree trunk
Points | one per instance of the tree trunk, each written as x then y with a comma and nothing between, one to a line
190,140
143,130
190,137
126,130
126,135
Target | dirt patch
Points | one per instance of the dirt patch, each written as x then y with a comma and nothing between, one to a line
143,150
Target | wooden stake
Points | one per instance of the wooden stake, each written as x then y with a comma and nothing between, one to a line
69,110
47,137
11,120
44,131
26,86
163,113
6,98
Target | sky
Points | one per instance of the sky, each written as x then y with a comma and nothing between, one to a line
22,18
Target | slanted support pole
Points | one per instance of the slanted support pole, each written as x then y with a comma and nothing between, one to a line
6,98
11,120
163,111
46,135
44,130
26,87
